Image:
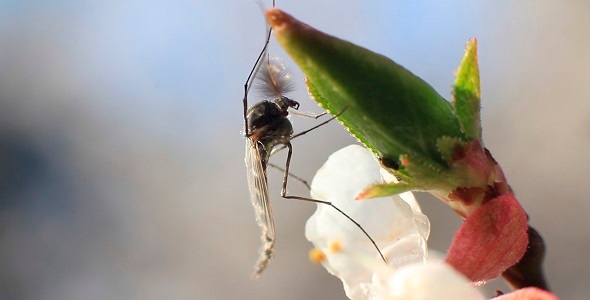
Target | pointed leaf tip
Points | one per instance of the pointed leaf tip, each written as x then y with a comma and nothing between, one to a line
468,72
276,18
383,190
466,92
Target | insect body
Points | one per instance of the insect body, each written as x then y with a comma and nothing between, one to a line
267,130
267,126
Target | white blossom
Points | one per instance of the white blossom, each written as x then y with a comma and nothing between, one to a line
426,281
395,223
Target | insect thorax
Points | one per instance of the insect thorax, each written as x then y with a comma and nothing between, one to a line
268,123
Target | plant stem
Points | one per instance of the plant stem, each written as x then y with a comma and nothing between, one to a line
528,272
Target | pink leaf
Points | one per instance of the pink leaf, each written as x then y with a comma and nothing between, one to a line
491,240
530,293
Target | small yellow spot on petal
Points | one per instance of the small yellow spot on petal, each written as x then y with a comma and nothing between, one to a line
317,256
335,246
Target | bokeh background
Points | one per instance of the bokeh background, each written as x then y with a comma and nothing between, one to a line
121,155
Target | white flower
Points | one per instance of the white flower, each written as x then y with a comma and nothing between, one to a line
395,223
398,227
426,281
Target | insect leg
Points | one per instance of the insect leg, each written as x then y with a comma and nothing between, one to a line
319,125
303,181
252,75
288,144
285,196
307,115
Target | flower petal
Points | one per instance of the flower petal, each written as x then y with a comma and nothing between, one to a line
433,280
399,231
530,293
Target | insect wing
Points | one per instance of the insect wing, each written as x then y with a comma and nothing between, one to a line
258,186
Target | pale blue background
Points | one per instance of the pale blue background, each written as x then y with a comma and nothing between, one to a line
121,159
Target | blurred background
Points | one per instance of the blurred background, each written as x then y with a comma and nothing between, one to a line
121,154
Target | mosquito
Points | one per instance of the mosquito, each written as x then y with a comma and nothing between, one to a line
268,130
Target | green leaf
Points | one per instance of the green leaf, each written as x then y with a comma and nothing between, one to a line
389,109
467,93
428,143
385,189
447,146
